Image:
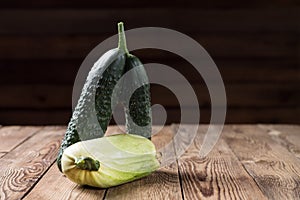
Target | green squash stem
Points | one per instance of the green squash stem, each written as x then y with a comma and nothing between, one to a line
87,163
122,39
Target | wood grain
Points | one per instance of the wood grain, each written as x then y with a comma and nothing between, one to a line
54,185
162,184
217,176
12,136
29,71
216,4
271,45
267,70
286,135
273,167
14,72
80,21
24,165
248,162
234,115
44,43
35,117
250,95
37,96
241,114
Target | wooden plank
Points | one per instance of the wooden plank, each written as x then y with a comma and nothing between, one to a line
216,4
81,21
238,95
55,185
259,45
162,184
240,115
35,117
286,135
37,96
233,115
232,70
12,136
23,166
50,71
273,167
266,71
219,175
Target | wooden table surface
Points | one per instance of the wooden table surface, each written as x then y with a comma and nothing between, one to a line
248,162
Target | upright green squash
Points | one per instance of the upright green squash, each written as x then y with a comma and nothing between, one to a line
96,97
93,111
138,113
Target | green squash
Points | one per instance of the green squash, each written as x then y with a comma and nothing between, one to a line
138,114
97,89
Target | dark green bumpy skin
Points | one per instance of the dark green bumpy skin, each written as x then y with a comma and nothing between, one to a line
105,89
139,108
140,101
103,108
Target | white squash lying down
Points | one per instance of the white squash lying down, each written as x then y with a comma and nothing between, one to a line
109,161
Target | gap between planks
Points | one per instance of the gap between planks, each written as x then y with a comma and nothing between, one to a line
219,175
2,154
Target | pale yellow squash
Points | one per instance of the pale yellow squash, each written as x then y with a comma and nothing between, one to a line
110,160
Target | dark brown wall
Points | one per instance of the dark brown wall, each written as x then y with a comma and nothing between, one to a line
256,48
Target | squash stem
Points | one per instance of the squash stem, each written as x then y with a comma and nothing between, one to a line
122,39
87,163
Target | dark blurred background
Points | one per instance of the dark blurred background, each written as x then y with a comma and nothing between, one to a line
255,46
